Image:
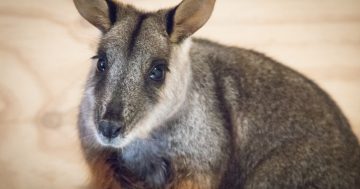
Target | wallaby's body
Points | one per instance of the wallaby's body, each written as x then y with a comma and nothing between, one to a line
164,111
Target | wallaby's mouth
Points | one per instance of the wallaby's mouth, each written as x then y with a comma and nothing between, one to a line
106,142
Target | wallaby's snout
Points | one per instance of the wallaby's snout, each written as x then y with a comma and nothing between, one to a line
110,129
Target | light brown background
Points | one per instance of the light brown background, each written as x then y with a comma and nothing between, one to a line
44,56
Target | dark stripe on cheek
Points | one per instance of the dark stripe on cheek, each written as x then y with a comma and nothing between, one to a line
136,33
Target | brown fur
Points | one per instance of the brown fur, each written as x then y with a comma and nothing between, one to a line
188,184
102,175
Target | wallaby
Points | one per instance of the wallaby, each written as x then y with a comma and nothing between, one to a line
164,110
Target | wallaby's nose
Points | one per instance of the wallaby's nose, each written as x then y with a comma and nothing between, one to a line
110,129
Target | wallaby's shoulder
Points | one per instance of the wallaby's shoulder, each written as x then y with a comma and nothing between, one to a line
247,67
255,84
225,57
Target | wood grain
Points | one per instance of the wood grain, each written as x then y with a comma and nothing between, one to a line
45,48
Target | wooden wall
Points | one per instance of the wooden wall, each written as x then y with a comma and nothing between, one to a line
45,48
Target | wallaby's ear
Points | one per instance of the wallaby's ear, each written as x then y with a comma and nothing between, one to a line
188,17
101,13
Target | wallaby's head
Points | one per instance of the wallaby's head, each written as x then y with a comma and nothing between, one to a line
141,71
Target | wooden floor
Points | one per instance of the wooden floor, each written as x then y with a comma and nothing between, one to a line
45,48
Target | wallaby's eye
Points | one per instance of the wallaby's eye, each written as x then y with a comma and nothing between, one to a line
102,64
157,72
